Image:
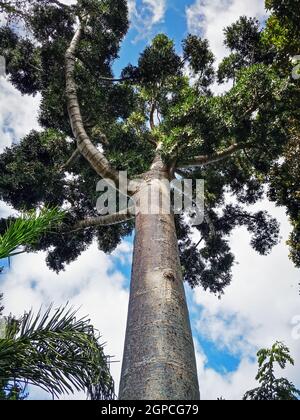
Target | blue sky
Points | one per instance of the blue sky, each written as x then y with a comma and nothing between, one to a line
262,302
173,22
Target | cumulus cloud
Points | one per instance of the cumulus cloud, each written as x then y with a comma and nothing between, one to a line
5,210
18,114
145,15
230,386
208,18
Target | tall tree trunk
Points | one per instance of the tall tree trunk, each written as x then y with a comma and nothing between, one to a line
159,358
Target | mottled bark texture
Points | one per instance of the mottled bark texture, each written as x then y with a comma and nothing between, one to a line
159,357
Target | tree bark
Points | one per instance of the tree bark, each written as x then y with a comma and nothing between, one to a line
159,358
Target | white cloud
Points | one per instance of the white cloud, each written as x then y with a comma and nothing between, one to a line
68,2
90,283
231,386
156,8
6,210
144,16
18,114
208,18
257,310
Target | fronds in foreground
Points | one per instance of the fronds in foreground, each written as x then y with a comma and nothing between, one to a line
55,352
27,229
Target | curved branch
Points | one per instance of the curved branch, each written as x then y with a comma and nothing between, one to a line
76,154
95,158
205,160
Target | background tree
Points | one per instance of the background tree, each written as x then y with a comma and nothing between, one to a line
157,124
272,389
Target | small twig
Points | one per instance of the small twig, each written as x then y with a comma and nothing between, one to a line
75,156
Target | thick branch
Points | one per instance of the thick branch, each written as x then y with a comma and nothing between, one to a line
109,220
96,159
205,160
76,154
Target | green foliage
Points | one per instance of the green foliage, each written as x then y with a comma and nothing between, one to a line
22,61
271,388
201,124
243,36
54,351
200,58
285,190
210,265
30,170
282,34
244,40
156,102
27,230
282,29
280,39
156,64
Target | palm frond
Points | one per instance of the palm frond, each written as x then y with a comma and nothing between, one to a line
57,353
27,229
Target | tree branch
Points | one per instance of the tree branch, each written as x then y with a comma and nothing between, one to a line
95,158
115,80
205,160
152,111
75,156
109,220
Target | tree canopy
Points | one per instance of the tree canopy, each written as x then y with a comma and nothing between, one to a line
242,142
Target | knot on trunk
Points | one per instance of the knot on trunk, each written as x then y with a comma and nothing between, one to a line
169,275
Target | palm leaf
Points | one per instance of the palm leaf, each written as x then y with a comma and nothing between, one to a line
57,353
27,229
